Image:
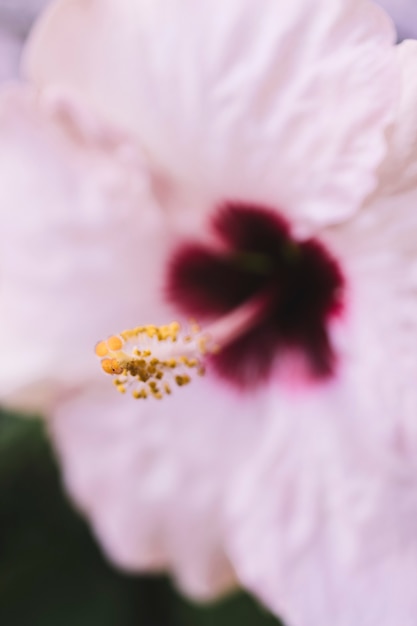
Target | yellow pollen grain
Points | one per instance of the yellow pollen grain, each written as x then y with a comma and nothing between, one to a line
107,366
101,349
111,366
140,394
148,367
120,386
114,343
182,380
202,345
188,362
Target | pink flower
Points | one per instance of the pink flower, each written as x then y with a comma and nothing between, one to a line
289,128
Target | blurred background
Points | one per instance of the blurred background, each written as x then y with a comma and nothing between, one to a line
16,18
52,573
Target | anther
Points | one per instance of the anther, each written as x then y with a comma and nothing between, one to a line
114,343
101,349
111,366
147,355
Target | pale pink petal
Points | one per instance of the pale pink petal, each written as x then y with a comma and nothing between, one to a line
280,102
380,347
319,530
82,244
152,476
399,169
322,519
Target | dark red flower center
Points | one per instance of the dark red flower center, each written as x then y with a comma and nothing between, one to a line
298,283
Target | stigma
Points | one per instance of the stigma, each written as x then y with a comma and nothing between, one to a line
150,361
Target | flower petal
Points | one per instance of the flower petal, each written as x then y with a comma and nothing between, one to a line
151,476
335,544
78,258
276,102
398,171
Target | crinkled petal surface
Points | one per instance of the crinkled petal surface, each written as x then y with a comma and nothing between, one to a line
320,522
82,257
336,544
225,98
82,244
398,171
153,476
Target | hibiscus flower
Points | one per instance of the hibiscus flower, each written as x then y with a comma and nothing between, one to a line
250,165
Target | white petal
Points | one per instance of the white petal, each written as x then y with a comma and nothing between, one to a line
82,244
319,530
278,102
399,169
152,476
323,518
379,343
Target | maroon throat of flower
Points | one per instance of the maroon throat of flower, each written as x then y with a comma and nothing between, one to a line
258,295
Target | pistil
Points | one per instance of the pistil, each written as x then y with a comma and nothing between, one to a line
150,360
